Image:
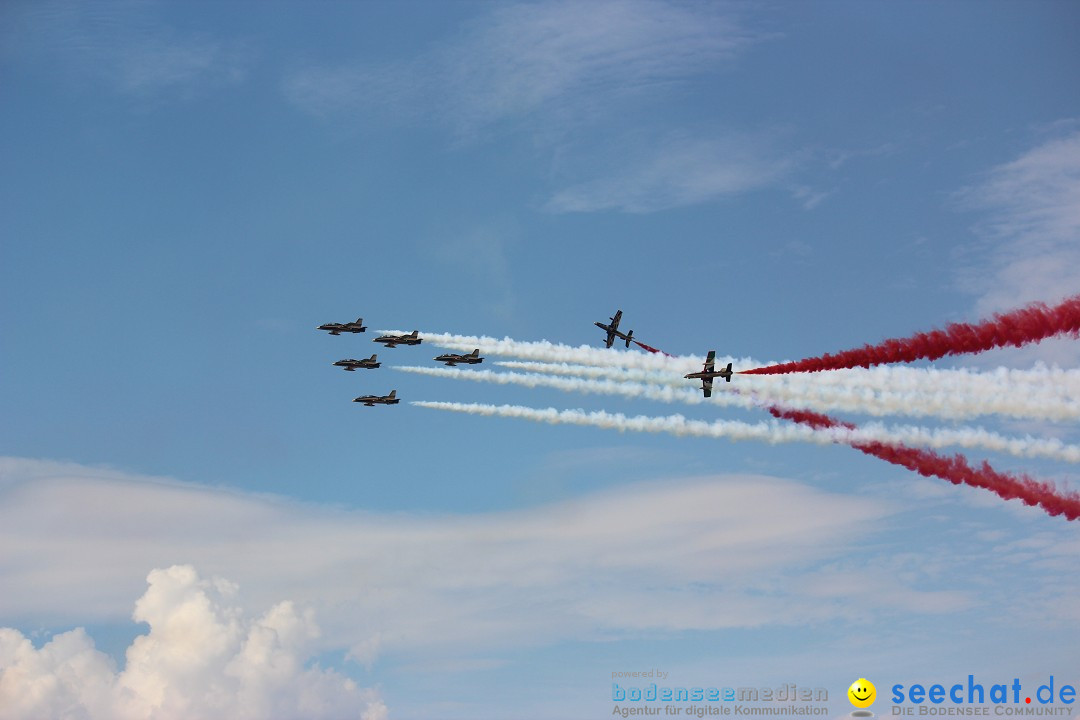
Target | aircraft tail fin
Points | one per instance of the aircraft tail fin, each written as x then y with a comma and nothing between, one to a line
393,394
373,357
727,373
629,337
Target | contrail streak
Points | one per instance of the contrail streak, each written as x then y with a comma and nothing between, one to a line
875,432
955,469
1041,393
1029,324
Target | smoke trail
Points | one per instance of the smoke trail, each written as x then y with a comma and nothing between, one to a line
660,393
1029,324
1041,393
875,432
597,371
582,354
649,348
955,469
816,428
770,432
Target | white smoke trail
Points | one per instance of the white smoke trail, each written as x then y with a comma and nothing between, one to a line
1040,393
771,432
596,371
582,354
967,437
660,393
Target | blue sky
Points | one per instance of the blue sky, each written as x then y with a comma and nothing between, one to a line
188,189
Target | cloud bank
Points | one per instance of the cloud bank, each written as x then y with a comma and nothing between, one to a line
76,544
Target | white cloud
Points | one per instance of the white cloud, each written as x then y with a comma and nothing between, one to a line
675,171
126,46
562,57
202,658
75,547
809,197
655,559
568,72
1030,238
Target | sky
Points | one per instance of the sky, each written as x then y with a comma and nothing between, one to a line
195,521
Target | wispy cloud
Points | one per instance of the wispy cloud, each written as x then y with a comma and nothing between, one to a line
1030,237
559,57
125,46
1033,226
479,255
675,171
809,197
78,542
567,73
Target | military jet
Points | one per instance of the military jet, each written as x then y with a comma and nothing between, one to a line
469,359
373,400
395,340
709,372
350,365
349,327
612,330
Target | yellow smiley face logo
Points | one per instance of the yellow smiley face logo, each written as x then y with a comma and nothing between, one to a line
862,693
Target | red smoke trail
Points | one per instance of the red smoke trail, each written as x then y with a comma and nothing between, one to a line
1029,324
955,469
648,348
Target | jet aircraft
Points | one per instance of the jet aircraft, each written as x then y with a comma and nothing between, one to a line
709,372
367,364
395,340
373,400
612,330
350,327
469,359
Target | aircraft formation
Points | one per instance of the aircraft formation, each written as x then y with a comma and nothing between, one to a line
611,330
390,341
605,369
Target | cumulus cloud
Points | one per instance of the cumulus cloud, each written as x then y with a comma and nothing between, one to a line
204,657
